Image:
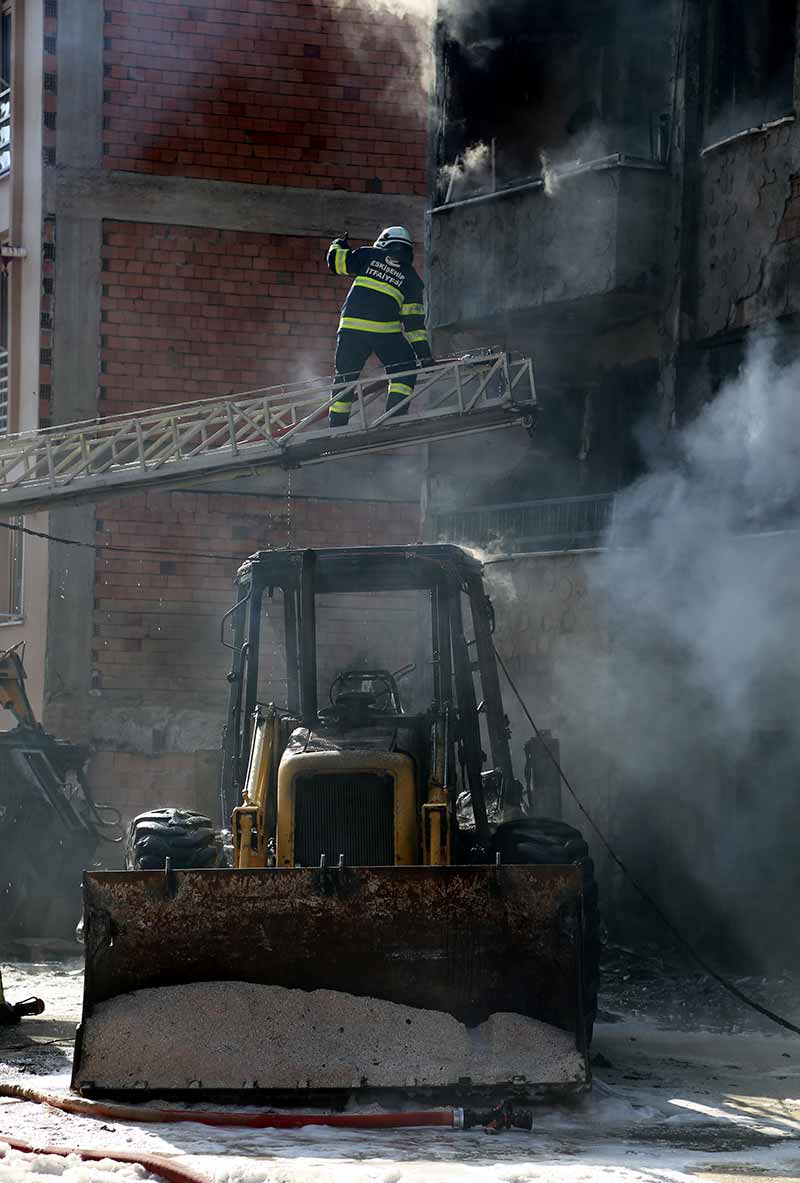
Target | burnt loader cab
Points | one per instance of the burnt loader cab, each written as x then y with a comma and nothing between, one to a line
392,918
325,755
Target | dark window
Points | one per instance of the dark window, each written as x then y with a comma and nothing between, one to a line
752,67
557,82
5,45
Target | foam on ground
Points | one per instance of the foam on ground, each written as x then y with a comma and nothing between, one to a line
233,1035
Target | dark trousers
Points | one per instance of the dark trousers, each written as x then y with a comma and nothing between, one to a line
353,350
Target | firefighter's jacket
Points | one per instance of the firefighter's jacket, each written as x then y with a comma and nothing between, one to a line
386,296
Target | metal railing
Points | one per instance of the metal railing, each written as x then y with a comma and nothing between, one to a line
565,523
3,391
284,425
5,127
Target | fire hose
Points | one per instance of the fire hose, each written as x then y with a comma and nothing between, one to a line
151,1162
504,1116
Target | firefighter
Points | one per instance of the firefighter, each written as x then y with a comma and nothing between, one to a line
383,314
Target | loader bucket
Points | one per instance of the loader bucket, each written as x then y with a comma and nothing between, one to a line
305,985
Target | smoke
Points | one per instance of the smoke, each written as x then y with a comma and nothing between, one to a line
692,709
592,144
472,171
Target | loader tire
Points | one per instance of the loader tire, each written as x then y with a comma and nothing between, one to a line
543,841
187,839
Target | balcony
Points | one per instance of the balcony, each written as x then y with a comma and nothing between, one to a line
589,243
557,524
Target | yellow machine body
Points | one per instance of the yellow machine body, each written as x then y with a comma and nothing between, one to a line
421,814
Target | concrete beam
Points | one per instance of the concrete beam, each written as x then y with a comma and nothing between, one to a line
71,571
76,358
70,625
96,193
80,74
76,338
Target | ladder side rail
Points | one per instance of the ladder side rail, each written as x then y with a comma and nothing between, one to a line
250,431
423,386
17,469
72,452
173,448
96,466
333,395
482,387
155,443
456,389
309,449
209,446
88,460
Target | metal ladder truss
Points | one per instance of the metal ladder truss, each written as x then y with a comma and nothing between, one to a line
280,426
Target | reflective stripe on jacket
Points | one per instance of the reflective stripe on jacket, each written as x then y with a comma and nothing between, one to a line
387,295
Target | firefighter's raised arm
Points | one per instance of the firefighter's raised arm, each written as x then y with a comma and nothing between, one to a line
337,256
343,260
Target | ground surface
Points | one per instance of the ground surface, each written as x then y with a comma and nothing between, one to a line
686,1087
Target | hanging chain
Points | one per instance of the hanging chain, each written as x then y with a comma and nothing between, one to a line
289,510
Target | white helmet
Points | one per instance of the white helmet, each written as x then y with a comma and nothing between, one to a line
394,234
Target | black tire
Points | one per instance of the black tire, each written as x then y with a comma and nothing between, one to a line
542,841
187,839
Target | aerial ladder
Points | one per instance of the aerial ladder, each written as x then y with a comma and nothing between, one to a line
279,427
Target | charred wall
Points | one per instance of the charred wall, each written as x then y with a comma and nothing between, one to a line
659,662
628,230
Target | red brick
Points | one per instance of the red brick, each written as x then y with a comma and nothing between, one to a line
193,97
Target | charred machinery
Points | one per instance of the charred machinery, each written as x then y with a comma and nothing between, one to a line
50,825
392,919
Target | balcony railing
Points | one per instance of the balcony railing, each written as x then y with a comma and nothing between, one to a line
5,127
3,391
566,523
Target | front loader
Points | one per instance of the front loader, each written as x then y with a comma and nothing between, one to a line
393,920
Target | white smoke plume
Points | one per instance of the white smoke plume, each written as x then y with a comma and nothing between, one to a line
471,171
692,709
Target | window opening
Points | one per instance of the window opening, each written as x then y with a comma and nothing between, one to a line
559,83
752,67
376,631
273,685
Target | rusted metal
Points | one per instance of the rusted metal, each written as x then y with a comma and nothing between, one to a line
469,941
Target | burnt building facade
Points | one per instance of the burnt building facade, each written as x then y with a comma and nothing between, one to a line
616,195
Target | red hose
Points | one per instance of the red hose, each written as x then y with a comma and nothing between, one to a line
151,1162
452,1118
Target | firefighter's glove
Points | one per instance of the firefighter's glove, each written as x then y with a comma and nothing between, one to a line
342,242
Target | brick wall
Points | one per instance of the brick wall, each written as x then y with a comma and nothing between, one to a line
157,619
269,92
191,313
156,653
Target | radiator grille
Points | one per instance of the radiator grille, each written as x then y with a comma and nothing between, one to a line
344,813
